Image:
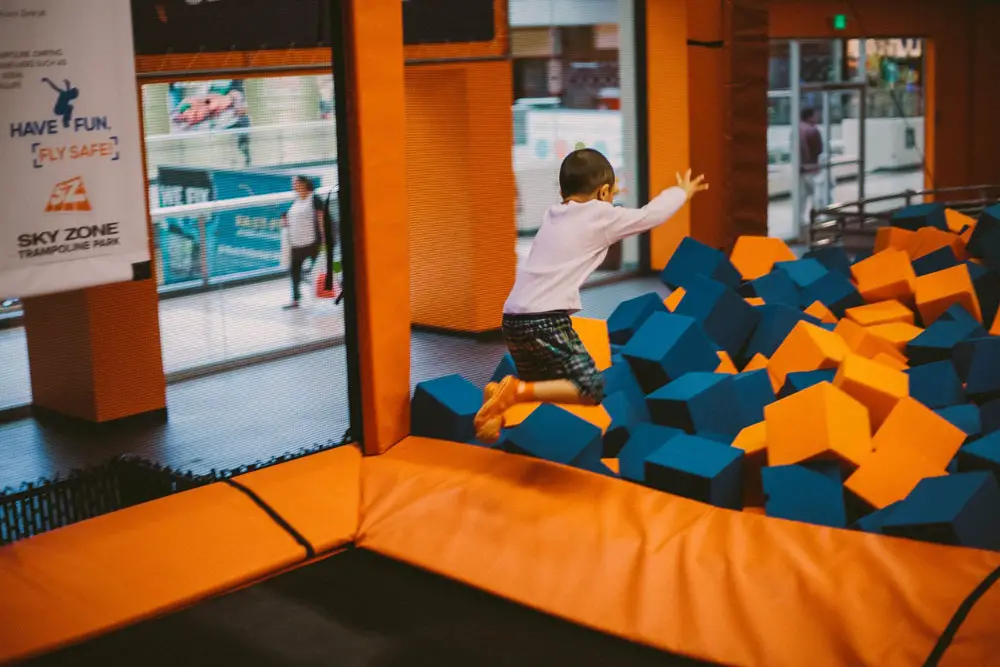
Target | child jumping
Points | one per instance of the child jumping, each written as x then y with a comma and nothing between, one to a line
552,364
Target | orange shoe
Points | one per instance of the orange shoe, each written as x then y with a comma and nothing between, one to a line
498,397
489,434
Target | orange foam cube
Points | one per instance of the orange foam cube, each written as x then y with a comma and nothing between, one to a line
958,222
880,312
754,300
938,291
758,362
875,385
593,334
726,364
897,334
612,464
888,477
674,299
820,422
821,312
862,341
995,329
753,441
884,276
928,239
755,256
913,429
807,348
890,361
894,238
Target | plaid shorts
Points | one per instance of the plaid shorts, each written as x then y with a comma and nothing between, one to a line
546,347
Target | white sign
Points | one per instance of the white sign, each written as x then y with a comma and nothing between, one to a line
72,197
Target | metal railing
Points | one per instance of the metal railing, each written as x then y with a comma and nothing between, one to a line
854,224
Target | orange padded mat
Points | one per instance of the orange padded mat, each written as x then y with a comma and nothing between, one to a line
105,573
722,586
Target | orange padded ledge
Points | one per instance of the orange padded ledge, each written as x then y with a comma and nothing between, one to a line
99,575
318,495
734,588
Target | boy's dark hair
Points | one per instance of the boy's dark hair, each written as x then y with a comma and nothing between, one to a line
808,113
307,182
584,171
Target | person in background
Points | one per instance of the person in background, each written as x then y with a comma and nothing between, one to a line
305,232
810,150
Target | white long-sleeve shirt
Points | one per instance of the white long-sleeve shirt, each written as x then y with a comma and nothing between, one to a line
572,242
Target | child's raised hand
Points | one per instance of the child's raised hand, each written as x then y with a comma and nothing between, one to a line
691,187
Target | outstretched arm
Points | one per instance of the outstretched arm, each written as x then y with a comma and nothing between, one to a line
52,85
632,221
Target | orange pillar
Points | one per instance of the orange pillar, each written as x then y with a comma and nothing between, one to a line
460,193
94,354
378,198
669,143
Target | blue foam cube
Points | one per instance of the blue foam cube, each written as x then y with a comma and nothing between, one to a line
984,242
936,385
645,439
982,379
444,408
754,392
938,341
625,416
799,380
799,493
873,522
833,290
966,417
631,314
620,377
666,347
803,272
960,510
861,256
989,414
696,402
554,434
920,215
987,286
775,287
776,322
939,260
983,454
504,368
698,468
725,316
693,258
833,257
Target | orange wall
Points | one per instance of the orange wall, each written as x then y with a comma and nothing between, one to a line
706,89
460,193
985,101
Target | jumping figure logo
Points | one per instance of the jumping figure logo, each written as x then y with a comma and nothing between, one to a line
64,100
70,195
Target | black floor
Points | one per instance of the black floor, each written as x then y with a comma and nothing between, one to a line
257,412
358,609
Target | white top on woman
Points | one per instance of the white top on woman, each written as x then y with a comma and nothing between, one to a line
302,223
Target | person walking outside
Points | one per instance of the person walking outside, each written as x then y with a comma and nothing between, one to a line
305,233
810,150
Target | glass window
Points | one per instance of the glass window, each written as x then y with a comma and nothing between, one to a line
574,86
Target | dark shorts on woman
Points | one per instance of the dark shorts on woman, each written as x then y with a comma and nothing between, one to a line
545,346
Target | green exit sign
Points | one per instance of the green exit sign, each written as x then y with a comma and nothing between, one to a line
840,22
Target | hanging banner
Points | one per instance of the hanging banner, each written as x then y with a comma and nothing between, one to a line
73,210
